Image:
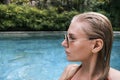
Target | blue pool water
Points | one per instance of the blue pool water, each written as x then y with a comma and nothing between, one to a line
38,58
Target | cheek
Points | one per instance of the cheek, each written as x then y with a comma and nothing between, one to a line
81,50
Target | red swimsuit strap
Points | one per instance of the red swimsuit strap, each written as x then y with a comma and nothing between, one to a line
74,73
77,71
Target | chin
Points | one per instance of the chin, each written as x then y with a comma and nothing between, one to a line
72,60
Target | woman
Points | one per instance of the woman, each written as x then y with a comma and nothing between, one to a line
89,40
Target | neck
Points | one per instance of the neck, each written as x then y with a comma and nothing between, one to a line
91,68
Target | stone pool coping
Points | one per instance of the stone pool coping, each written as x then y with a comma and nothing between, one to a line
30,33
36,33
116,32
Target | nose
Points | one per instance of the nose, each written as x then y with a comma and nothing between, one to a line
64,43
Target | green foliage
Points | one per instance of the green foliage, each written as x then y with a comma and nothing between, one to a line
19,2
115,13
110,8
14,17
53,14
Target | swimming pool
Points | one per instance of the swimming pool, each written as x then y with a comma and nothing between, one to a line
38,57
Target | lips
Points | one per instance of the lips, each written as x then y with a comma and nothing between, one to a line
67,52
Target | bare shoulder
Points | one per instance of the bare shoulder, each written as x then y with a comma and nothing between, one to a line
72,66
69,71
114,74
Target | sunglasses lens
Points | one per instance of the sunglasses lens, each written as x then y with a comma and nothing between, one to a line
66,37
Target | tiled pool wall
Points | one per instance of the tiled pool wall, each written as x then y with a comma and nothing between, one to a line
30,33
36,33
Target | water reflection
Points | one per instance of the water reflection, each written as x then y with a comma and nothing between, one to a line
38,58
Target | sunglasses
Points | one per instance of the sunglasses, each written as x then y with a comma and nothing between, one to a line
68,39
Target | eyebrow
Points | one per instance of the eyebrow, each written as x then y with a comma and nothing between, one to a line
71,34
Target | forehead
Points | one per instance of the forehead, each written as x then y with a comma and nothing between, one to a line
77,28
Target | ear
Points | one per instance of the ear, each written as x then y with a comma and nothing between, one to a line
97,46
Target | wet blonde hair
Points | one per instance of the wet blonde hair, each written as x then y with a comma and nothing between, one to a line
100,28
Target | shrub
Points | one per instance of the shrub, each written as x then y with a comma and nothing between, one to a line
14,17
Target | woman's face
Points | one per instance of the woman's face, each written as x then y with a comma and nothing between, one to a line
78,47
